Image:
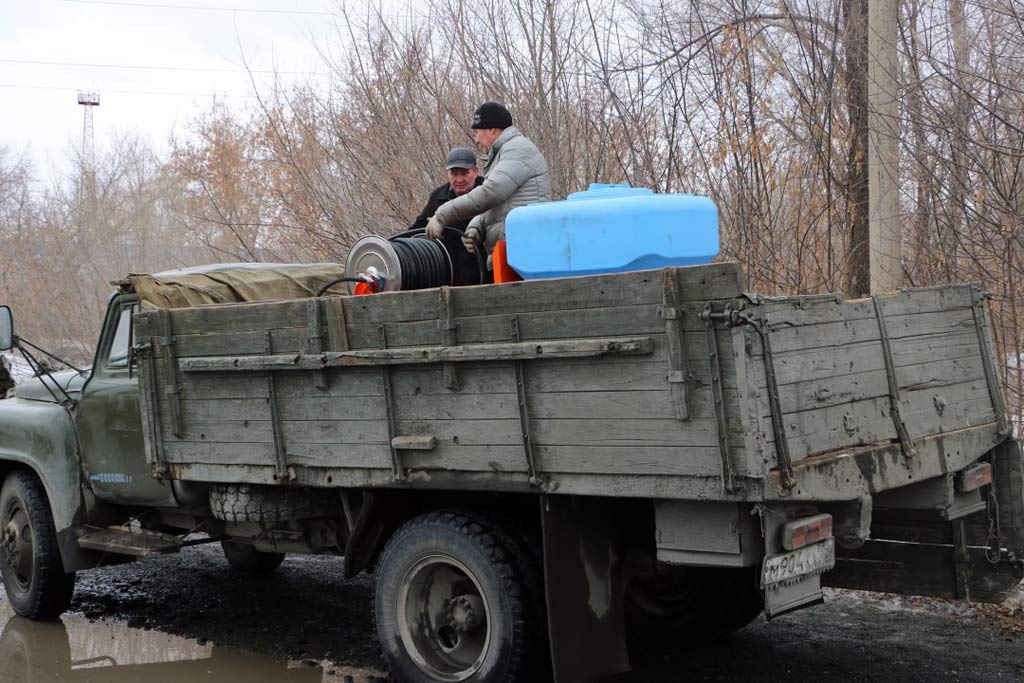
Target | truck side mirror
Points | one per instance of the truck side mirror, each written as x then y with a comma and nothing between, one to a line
6,329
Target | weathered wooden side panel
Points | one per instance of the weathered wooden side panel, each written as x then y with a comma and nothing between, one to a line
587,417
681,414
609,416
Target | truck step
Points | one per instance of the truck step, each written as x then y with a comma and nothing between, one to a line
130,541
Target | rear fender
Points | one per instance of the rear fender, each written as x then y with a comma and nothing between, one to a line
40,436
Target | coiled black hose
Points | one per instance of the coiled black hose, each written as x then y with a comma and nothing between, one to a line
425,263
478,248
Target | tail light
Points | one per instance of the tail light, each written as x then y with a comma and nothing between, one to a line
806,530
974,477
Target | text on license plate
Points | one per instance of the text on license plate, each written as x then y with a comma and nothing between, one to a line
817,557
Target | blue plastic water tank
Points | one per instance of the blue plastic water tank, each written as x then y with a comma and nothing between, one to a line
611,229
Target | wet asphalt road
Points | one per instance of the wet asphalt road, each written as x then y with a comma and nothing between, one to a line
307,613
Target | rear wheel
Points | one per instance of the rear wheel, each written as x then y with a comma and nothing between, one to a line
692,603
33,573
457,599
247,560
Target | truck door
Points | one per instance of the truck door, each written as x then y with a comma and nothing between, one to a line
110,422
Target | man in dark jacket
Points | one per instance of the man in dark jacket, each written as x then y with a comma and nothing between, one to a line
463,176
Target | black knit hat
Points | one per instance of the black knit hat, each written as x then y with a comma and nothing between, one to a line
491,115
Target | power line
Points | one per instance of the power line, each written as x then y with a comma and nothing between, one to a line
19,86
250,10
154,67
157,5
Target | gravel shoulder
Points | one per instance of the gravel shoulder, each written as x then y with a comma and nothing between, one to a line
306,611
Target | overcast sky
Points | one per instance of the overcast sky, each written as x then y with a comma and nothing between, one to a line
154,62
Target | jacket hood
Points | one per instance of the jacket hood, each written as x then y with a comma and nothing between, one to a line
34,389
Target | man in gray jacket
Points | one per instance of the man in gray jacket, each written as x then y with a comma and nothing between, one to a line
516,174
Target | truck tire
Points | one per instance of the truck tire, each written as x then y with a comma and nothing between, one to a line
693,603
33,574
245,559
457,599
270,504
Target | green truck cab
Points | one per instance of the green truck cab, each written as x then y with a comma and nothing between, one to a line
72,463
541,474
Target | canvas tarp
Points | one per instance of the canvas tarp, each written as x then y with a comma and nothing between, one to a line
234,283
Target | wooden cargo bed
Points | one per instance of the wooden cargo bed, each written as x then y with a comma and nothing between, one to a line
649,384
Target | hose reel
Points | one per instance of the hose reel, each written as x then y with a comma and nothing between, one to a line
400,263
406,261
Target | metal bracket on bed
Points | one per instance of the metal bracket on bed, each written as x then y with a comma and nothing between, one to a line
148,384
280,452
448,326
389,409
718,396
679,376
524,410
314,338
906,443
171,387
760,326
987,354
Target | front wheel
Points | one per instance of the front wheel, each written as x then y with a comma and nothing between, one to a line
457,599
33,573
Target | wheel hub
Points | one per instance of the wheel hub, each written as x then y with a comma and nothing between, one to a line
10,546
16,545
443,619
465,612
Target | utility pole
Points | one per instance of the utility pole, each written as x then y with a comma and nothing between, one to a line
884,223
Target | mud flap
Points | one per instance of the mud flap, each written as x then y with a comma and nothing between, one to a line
791,580
584,543
1008,483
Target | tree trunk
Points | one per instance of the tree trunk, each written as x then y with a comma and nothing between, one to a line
855,38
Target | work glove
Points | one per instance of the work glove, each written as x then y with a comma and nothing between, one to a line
471,236
434,228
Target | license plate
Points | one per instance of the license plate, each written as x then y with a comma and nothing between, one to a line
813,559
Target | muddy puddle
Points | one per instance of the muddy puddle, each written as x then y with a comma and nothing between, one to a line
77,650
